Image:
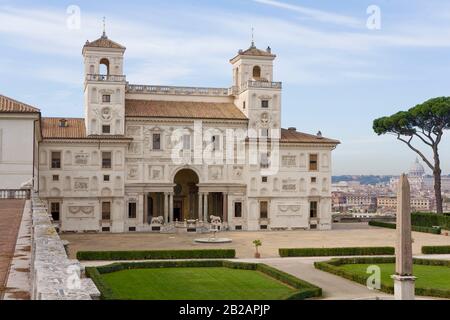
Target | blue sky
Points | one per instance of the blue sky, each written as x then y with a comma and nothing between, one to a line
337,74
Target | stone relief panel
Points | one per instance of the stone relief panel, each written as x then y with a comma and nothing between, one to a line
134,131
68,158
156,172
215,172
133,172
81,184
276,184
81,159
289,185
289,161
289,209
238,171
81,212
135,148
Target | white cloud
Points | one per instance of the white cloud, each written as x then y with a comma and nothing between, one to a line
319,15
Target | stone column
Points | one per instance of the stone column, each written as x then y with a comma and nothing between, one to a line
166,207
200,206
171,206
404,281
205,207
225,206
141,213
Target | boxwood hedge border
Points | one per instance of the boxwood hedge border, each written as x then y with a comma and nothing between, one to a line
156,255
329,252
332,266
436,249
304,289
432,230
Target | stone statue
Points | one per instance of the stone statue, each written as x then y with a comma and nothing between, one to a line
403,278
158,220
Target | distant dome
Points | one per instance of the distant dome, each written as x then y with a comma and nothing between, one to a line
417,169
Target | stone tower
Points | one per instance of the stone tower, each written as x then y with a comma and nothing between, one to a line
104,87
256,94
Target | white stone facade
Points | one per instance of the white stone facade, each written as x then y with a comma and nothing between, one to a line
142,180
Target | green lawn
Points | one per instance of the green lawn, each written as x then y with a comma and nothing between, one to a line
216,283
437,277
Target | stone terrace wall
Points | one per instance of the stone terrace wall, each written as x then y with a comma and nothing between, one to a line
53,275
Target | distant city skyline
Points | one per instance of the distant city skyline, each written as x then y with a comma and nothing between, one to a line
338,75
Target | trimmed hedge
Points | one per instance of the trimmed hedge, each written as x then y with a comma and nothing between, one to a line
436,249
327,252
413,227
423,219
156,255
305,289
382,224
332,266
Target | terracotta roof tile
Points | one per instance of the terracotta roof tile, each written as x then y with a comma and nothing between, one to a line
104,42
183,109
75,129
12,106
293,136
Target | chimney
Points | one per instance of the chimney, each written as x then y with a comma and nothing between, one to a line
319,134
292,129
269,49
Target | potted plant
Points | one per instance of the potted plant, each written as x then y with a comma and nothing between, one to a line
257,243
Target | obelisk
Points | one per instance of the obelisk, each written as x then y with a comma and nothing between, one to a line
403,278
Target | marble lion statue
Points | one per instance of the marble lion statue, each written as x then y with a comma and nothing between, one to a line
158,220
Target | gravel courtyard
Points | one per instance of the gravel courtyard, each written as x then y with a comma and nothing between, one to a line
342,235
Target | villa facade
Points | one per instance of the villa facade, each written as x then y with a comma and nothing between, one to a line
156,158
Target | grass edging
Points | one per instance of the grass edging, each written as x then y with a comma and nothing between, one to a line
331,266
156,255
305,289
381,224
323,252
436,249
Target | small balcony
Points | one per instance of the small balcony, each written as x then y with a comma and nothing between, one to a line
262,84
106,78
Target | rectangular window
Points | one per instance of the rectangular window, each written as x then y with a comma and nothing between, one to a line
132,210
156,141
243,105
313,180
186,142
238,209
263,209
106,210
313,209
55,177
106,129
264,103
105,229
55,211
106,98
132,229
106,160
264,179
106,178
238,228
313,162
264,160
216,142
264,132
56,160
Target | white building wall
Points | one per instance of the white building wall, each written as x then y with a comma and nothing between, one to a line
16,150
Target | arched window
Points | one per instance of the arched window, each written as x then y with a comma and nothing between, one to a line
104,66
256,72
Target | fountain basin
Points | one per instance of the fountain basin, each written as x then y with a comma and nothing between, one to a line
213,240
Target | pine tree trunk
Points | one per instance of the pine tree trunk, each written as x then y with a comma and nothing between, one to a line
437,181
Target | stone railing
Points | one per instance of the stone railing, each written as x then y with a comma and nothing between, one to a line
194,91
262,84
15,193
53,275
106,78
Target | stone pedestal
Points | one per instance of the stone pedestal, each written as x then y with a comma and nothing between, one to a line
404,287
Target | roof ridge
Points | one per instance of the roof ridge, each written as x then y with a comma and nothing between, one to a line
21,104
